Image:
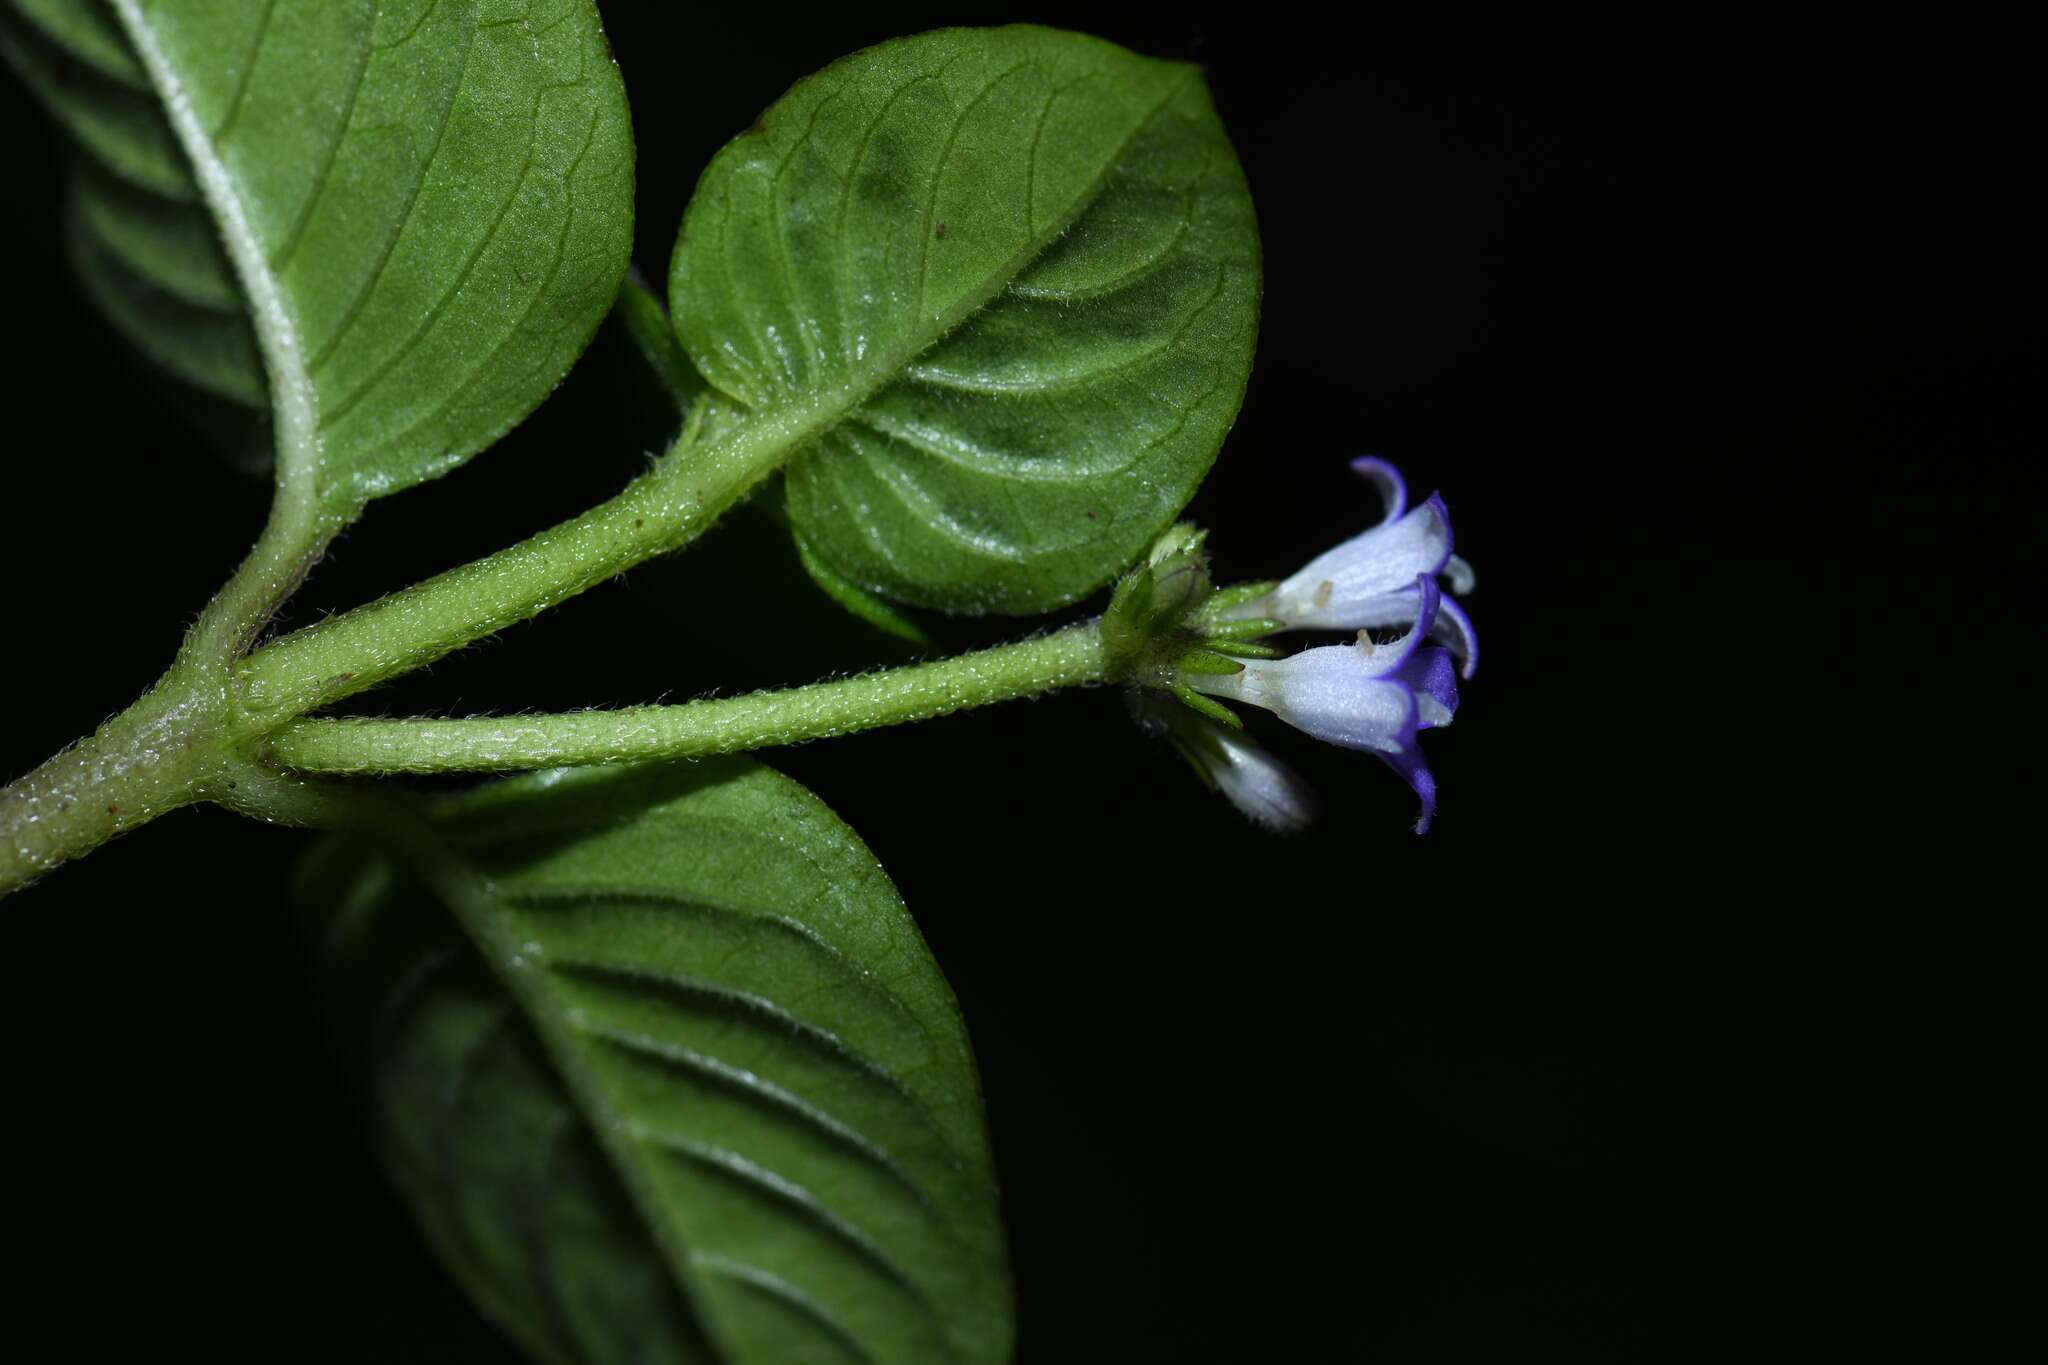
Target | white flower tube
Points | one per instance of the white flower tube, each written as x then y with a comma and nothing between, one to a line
1375,698
1369,580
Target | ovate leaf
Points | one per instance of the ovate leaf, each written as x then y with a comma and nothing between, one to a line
425,206
1009,278
726,1110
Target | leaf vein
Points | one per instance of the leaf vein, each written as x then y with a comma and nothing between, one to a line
961,453
1115,284
751,1086
242,83
790,1193
564,897
936,377
484,367
775,1287
434,313
931,203
755,1008
375,275
322,179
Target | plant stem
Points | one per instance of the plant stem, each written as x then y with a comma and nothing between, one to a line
175,746
293,539
698,729
134,768
662,510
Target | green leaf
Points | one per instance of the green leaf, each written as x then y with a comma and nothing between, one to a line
86,31
1011,275
646,323
645,319
727,1094
159,284
869,607
427,207
116,121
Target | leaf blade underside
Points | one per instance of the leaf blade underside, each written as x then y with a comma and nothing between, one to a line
426,204
778,1115
1017,269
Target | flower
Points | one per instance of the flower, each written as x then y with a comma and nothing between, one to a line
1374,697
1264,789
1257,783
1169,630
1370,580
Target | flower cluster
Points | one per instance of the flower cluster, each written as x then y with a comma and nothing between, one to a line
1376,697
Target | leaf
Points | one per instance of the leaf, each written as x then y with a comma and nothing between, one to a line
646,323
89,34
155,282
728,1096
645,320
427,207
113,118
1010,277
143,247
869,607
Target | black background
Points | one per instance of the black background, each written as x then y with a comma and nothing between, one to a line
1718,339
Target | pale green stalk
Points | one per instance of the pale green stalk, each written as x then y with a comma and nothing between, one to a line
697,729
663,510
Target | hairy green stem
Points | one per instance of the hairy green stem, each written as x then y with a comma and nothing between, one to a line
116,778
177,744
697,729
172,747
662,510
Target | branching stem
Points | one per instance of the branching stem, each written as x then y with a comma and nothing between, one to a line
664,509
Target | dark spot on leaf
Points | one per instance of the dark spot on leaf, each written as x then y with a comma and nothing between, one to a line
941,232
639,522
113,807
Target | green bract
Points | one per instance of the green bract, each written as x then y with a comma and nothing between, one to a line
770,1131
1007,279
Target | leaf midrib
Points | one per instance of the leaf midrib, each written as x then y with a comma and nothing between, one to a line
277,334
478,913
525,978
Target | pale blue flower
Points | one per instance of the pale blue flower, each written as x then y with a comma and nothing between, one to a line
1370,580
1362,695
